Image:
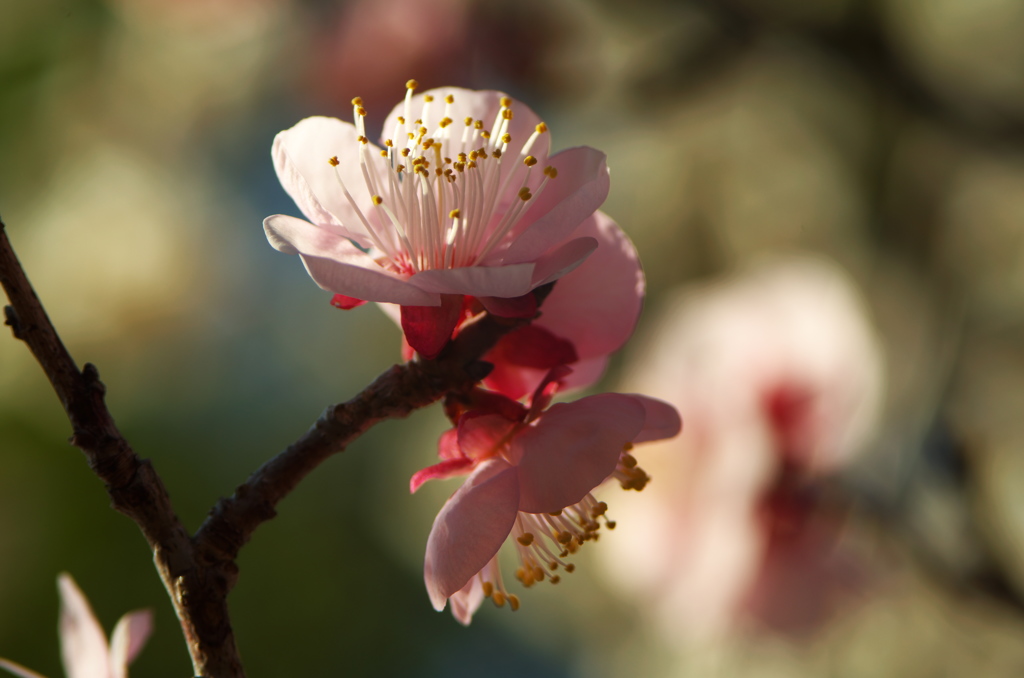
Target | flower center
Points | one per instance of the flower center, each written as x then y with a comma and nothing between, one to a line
439,193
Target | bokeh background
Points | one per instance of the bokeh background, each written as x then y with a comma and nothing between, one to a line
882,138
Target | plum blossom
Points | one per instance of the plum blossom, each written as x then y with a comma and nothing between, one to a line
531,473
84,647
780,377
463,198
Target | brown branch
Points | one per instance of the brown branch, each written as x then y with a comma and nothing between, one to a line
199,572
394,394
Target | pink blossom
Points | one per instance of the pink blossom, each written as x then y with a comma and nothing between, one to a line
84,647
463,199
531,473
780,377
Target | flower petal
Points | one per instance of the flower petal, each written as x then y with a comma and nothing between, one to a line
301,157
522,358
127,640
512,307
346,303
563,260
578,190
572,449
336,265
428,328
467,600
597,305
83,645
661,420
470,528
477,281
446,469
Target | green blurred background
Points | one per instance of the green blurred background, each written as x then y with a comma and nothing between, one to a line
886,135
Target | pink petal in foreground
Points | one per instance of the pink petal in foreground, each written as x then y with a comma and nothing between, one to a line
572,449
597,305
470,528
428,328
481,434
661,420
83,644
336,265
477,281
578,190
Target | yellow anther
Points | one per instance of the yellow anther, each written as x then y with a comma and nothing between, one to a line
551,171
428,143
422,130
334,161
471,164
444,122
524,194
526,539
506,138
358,101
530,161
564,537
455,213
485,134
627,447
555,579
400,169
473,155
479,124
498,598
488,589
401,120
496,153
610,524
438,171
506,113
541,128
599,509
417,122
449,99
389,143
383,153
377,199
627,460
570,568
362,139
428,98
411,84
513,602
469,122
505,102
406,151
555,513
538,572
361,111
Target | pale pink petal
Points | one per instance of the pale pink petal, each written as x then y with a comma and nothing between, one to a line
19,670
336,265
467,600
480,434
585,373
596,306
470,528
301,156
446,469
579,189
661,420
477,281
428,328
478,105
572,449
561,261
127,640
83,644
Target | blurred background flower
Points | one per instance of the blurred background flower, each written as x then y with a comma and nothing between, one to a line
882,140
